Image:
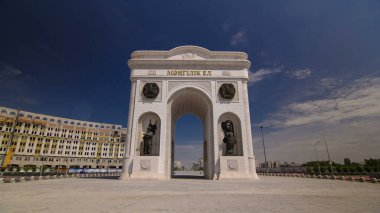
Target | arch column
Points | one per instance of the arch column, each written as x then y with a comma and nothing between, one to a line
127,150
251,157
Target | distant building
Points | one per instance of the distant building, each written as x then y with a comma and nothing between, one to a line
50,141
198,165
257,164
286,164
270,164
177,165
292,168
275,167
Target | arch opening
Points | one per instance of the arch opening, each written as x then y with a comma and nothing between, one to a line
188,147
190,100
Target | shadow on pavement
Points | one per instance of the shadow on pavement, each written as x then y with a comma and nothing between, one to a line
104,177
189,177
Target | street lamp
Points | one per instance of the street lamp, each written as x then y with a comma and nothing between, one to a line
316,155
328,155
327,150
41,168
265,156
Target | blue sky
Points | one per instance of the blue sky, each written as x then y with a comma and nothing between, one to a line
315,64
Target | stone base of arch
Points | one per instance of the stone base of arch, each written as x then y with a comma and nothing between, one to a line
234,167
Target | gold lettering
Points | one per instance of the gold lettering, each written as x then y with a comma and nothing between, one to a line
188,73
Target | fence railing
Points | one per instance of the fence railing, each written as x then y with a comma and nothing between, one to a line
364,179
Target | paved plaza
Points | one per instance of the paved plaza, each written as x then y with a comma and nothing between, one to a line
269,194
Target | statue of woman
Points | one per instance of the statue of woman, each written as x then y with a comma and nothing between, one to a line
148,136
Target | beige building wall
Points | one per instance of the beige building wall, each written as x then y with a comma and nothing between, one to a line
54,141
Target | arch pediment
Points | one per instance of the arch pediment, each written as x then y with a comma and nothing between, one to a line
188,52
186,57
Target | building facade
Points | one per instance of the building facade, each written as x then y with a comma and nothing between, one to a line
49,141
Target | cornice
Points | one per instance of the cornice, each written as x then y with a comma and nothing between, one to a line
189,64
154,54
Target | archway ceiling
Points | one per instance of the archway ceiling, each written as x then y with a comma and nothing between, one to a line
190,101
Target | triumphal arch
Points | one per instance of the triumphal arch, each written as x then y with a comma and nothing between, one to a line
189,80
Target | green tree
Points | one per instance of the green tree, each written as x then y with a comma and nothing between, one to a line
347,161
372,162
346,169
352,169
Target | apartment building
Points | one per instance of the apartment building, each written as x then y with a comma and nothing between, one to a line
50,141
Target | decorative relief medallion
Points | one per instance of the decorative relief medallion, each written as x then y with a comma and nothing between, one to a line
227,91
232,165
188,56
145,165
151,90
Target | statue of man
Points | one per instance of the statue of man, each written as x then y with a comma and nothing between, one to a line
148,136
229,136
230,142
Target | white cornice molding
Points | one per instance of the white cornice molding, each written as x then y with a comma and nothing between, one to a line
189,64
203,52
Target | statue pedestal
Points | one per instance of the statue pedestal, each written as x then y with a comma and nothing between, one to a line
234,167
145,167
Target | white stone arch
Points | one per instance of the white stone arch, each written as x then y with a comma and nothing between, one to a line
181,94
191,99
188,85
142,125
238,148
4,112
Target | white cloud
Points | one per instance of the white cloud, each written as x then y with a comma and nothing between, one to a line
12,79
300,74
265,73
349,117
360,98
226,26
262,74
15,83
239,38
8,71
330,83
358,139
